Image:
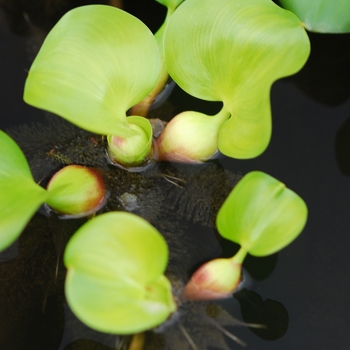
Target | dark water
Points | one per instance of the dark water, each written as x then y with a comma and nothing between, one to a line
301,292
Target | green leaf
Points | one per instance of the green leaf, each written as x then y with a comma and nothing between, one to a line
95,64
324,16
232,51
20,195
115,279
261,214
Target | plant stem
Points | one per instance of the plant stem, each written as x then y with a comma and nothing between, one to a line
222,116
116,3
143,107
137,341
239,256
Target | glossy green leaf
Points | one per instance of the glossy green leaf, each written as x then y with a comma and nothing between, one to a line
232,51
324,16
20,195
95,64
261,214
115,280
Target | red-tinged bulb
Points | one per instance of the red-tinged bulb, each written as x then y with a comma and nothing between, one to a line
131,150
76,190
190,137
215,279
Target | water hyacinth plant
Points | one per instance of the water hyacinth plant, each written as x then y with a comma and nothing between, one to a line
229,51
96,63
234,60
262,216
115,281
74,190
126,279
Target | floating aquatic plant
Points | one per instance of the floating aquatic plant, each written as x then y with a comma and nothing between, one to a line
115,281
74,190
96,63
229,51
262,216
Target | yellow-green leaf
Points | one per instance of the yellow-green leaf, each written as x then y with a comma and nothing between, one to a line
115,280
324,16
261,214
232,51
95,64
20,196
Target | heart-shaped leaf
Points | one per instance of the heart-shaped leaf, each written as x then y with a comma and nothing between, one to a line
324,16
232,51
95,64
115,280
20,195
261,214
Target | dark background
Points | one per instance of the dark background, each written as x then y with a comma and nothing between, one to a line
306,286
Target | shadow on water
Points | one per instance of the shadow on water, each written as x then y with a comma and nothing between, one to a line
270,313
83,344
23,15
342,148
326,74
31,310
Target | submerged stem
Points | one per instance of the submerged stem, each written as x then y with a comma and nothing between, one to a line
116,3
188,337
137,341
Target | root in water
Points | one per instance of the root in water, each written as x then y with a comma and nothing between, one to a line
187,336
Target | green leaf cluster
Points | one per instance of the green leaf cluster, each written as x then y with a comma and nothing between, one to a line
98,62
232,51
95,64
262,216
